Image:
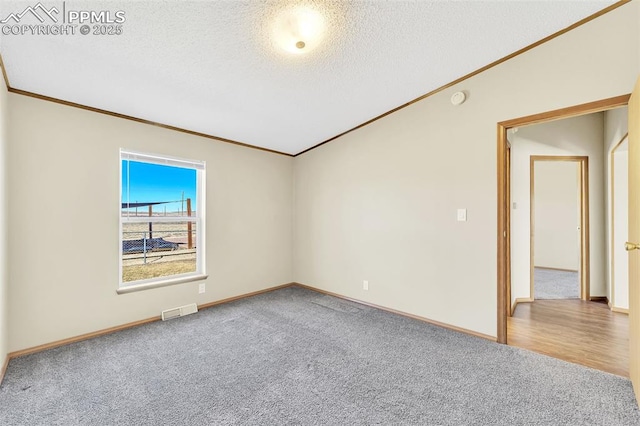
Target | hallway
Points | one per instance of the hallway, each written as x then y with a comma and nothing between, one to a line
586,333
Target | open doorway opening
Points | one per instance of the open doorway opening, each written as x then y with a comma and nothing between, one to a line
557,192
559,185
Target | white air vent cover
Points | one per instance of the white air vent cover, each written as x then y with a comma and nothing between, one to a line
180,311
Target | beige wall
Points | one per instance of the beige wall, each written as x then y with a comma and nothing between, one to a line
577,136
379,203
557,215
64,192
4,285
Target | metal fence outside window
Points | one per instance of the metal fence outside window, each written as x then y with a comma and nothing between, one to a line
158,249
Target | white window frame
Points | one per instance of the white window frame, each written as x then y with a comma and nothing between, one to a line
198,219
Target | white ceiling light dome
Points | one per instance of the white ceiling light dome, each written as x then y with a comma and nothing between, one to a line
299,30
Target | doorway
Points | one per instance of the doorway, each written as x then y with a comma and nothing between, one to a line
559,227
504,203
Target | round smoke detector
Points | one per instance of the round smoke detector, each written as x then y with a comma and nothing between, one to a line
458,98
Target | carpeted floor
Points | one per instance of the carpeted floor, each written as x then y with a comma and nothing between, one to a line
553,284
294,356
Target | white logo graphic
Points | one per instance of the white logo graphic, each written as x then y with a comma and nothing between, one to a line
70,22
34,11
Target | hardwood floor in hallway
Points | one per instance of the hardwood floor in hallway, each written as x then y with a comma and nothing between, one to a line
586,333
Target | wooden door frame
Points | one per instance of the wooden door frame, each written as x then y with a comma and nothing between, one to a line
584,266
503,180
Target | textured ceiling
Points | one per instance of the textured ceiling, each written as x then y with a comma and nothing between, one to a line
213,67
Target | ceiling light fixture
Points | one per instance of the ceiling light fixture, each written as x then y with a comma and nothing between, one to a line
299,30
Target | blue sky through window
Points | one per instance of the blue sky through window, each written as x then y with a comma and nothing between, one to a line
150,183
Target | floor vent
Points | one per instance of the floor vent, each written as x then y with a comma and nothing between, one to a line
180,311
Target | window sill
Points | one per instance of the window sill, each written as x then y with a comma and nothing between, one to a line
160,283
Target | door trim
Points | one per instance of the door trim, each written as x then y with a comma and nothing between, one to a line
583,203
503,180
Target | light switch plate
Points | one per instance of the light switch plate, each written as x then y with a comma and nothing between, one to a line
462,215
202,287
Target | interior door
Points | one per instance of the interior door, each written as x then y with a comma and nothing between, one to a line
634,238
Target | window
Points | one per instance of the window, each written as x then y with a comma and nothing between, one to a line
161,220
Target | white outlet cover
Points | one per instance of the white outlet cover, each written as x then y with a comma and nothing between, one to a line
202,288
